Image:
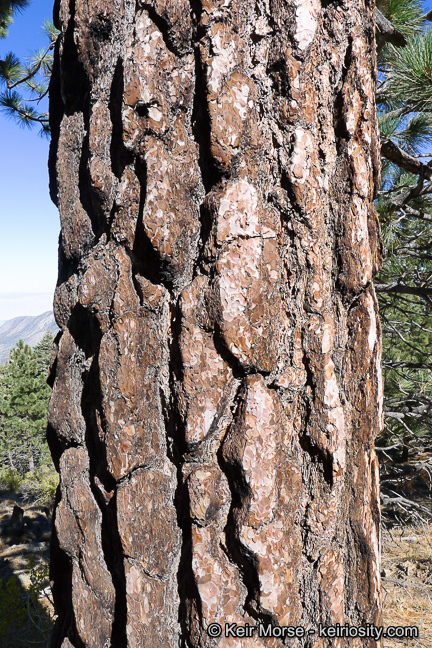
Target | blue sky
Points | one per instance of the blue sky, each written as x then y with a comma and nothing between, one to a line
29,222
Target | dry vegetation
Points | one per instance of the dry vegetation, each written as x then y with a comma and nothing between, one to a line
26,612
407,582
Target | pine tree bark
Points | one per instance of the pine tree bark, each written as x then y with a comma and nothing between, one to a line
217,383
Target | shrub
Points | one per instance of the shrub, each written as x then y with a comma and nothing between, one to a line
40,485
24,621
10,479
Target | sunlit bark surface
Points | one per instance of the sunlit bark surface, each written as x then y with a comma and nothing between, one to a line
217,385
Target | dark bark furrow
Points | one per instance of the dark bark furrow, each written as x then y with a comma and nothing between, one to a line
163,26
211,175
241,495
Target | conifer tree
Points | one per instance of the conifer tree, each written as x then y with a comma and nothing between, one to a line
405,206
24,396
43,353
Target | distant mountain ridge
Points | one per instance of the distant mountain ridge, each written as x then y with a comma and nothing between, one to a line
27,328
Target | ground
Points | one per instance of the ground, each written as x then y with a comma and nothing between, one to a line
406,571
407,581
25,609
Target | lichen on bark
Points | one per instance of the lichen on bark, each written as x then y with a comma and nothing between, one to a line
217,381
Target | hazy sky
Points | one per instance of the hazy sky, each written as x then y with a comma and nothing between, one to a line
29,223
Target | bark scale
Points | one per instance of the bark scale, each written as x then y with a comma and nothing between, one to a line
217,384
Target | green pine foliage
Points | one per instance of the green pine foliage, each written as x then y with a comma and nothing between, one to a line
7,8
42,352
404,205
25,85
410,80
405,15
412,132
24,395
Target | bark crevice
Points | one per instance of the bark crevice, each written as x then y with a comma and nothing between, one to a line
89,200
119,155
177,449
241,494
342,135
91,405
211,174
318,455
75,84
163,26
147,260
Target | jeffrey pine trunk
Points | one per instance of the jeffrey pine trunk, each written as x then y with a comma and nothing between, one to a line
217,385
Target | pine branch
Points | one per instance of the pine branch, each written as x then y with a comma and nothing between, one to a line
415,213
395,154
7,8
33,70
423,399
402,289
413,192
397,113
388,32
413,413
11,103
401,336
407,365
12,74
409,81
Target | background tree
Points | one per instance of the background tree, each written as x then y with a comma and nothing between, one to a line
216,392
405,208
24,396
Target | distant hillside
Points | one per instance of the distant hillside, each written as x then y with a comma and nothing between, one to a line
29,329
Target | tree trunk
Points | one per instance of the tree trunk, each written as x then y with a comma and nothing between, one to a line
217,386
